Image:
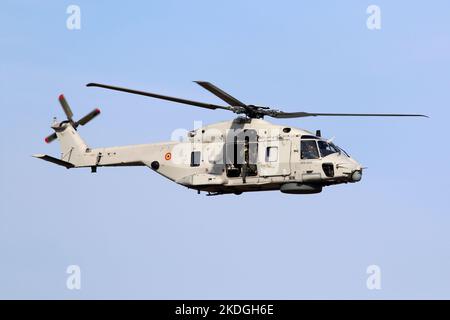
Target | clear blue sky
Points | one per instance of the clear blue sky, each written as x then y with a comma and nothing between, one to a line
137,235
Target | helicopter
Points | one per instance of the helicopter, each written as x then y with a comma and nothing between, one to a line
241,155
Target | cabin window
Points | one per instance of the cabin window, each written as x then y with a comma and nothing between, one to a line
272,154
309,149
195,158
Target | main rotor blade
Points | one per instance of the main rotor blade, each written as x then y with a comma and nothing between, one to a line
281,114
232,101
65,107
159,96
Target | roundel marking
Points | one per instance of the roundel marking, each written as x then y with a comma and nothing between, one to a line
168,156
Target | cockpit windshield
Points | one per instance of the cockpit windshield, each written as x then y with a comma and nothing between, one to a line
323,148
327,148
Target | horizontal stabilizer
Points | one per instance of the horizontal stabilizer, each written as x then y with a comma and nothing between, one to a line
59,162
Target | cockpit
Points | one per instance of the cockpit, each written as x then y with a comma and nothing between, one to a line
313,147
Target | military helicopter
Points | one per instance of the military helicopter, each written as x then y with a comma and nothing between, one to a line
241,155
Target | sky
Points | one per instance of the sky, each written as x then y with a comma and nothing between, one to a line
136,235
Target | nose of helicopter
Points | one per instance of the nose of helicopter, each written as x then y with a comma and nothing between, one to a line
353,169
356,171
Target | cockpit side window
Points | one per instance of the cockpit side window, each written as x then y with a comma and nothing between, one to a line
326,148
309,149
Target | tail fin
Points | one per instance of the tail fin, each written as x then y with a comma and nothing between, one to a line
71,144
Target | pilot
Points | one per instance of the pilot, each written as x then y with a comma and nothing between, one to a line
310,152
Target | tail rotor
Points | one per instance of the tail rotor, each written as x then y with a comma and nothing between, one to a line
69,114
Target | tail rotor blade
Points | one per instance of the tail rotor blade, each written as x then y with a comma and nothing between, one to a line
50,138
66,107
91,115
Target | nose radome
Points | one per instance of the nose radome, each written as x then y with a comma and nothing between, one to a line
356,176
